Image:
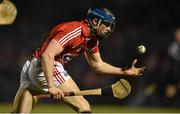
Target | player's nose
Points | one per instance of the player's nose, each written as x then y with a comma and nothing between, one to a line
108,29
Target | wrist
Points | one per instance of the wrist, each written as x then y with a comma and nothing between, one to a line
122,71
51,86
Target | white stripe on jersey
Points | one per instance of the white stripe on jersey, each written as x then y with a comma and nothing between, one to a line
79,33
69,34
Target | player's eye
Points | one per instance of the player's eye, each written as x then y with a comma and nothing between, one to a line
107,24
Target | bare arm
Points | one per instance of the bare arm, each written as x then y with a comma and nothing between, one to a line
99,66
47,61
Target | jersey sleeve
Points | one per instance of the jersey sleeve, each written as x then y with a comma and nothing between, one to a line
94,50
59,38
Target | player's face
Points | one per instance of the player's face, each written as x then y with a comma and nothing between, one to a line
104,29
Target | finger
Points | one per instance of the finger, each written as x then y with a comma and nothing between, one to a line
142,69
134,62
62,95
59,96
140,73
52,95
55,96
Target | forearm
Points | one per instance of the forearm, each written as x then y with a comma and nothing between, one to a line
47,66
105,68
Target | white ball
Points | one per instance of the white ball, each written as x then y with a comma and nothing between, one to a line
141,49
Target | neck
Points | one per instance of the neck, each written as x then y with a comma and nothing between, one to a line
90,29
92,32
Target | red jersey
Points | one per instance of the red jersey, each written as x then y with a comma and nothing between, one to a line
73,37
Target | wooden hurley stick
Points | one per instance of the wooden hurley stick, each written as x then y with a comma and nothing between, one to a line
120,90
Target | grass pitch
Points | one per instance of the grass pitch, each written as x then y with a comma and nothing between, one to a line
62,108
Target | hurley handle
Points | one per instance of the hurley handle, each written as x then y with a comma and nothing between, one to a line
74,93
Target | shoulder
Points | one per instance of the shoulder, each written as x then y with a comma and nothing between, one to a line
68,27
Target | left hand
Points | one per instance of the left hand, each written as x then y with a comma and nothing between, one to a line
133,71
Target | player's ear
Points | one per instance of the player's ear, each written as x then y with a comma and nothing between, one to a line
95,22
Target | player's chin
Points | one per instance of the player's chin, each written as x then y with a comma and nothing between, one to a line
103,36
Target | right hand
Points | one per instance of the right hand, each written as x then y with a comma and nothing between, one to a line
134,71
56,93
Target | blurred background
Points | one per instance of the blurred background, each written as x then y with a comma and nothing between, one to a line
153,23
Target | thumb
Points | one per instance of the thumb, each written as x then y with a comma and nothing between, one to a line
134,62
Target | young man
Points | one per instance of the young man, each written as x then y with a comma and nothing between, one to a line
45,71
172,80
